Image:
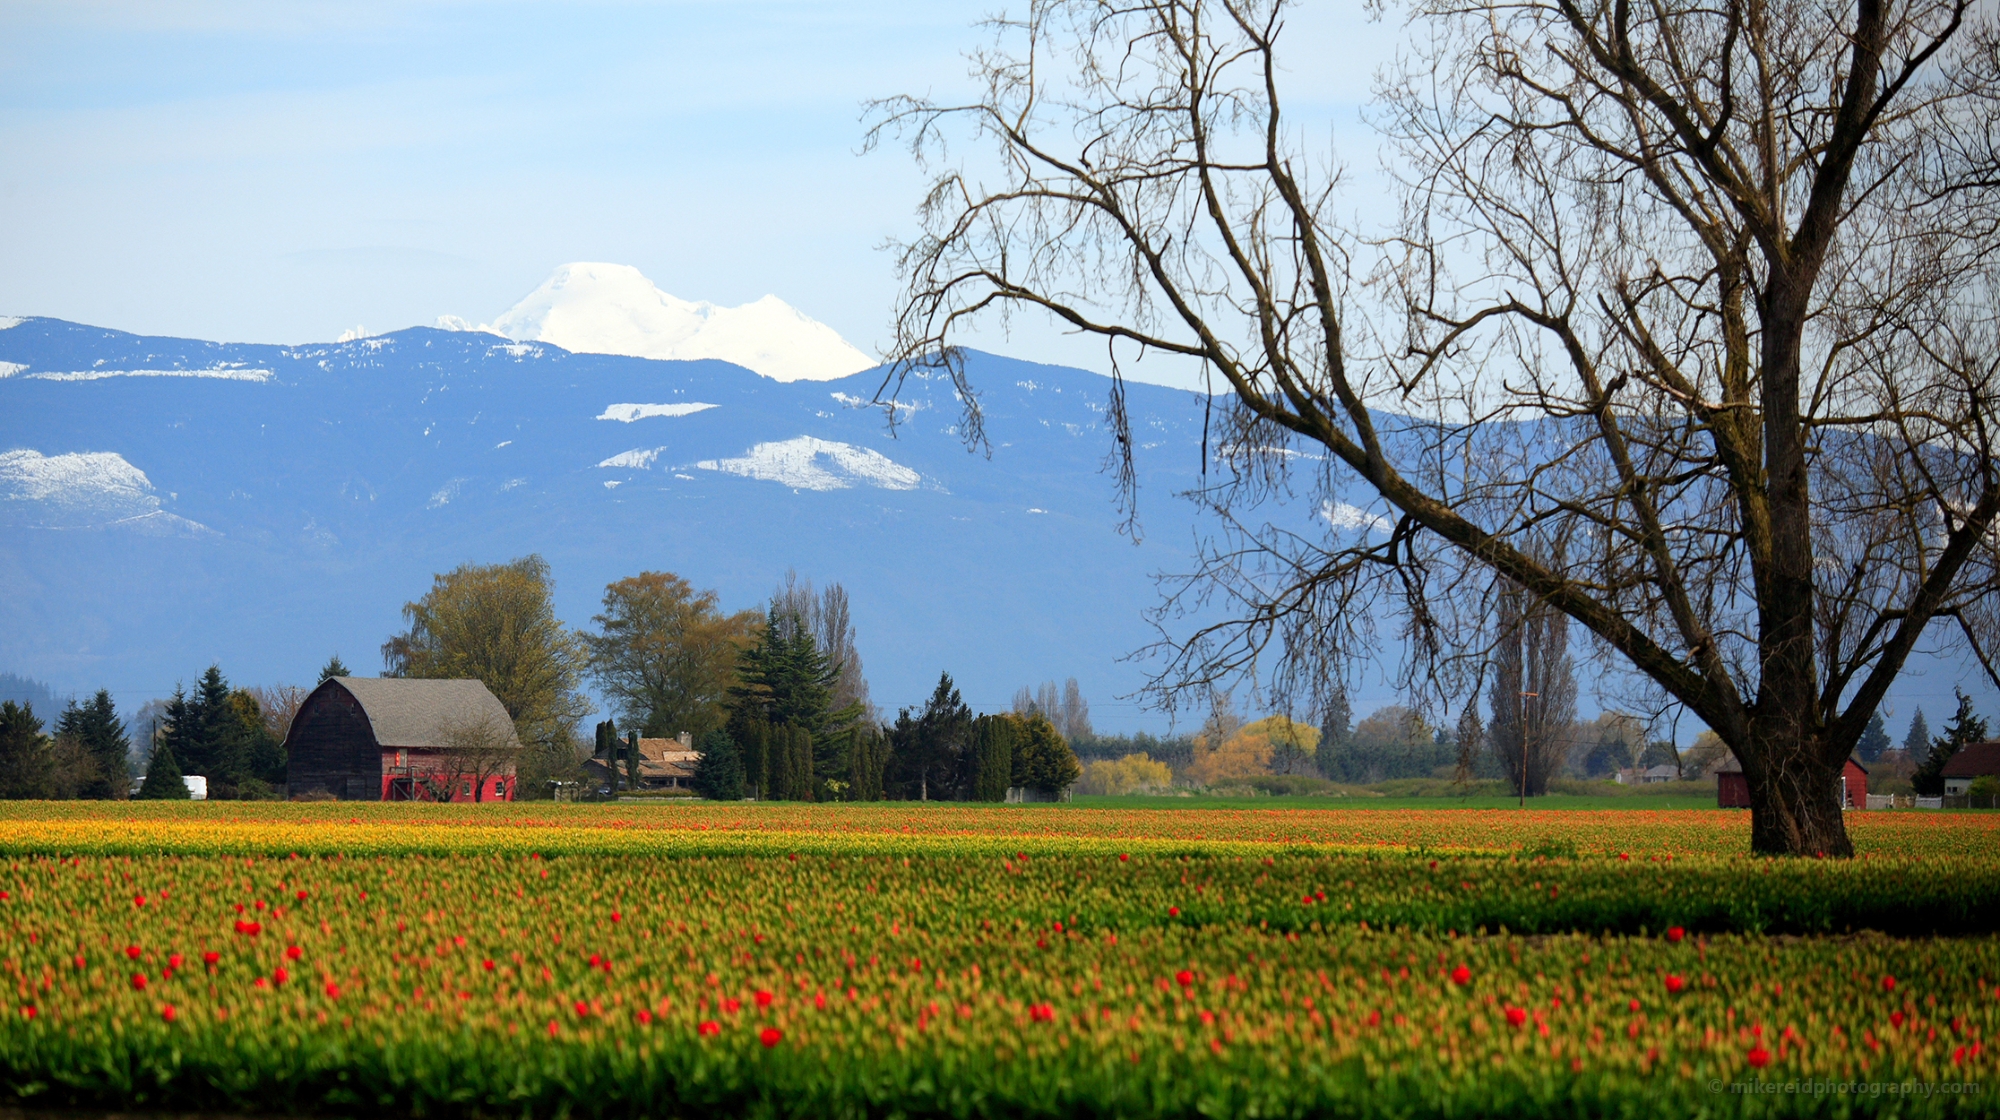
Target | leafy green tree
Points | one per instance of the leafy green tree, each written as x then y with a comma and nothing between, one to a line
1965,727
665,655
97,728
334,667
1918,739
24,753
163,778
496,623
719,774
1873,741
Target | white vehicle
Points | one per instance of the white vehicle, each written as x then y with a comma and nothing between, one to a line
197,787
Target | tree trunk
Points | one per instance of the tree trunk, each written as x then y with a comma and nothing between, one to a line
1795,795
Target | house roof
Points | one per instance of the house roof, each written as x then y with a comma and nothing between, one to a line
1974,760
418,713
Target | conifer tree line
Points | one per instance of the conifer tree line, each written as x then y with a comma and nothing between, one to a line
234,737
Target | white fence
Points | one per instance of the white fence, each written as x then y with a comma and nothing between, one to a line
1930,802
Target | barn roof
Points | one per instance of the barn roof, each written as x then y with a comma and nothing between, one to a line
1973,760
420,713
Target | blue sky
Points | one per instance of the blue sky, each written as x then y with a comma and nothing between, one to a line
282,172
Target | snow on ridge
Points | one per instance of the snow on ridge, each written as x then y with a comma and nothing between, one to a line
9,322
637,459
9,369
84,490
594,308
222,373
797,463
626,413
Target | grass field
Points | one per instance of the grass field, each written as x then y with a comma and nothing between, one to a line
627,960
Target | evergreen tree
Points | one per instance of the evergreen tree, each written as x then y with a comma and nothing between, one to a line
753,737
1918,739
785,679
719,774
334,667
867,761
97,727
1042,758
25,765
607,740
930,753
1336,733
799,759
1874,740
263,753
993,749
163,778
1965,727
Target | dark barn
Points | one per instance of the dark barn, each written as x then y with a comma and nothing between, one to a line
384,739
1732,790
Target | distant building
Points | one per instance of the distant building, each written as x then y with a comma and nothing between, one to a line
1732,789
664,764
390,739
1972,762
1651,775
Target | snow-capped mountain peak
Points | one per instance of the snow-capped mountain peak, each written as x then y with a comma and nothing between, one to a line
600,308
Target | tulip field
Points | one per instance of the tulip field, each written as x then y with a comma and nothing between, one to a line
613,960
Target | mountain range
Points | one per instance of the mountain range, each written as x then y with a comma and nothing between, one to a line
166,503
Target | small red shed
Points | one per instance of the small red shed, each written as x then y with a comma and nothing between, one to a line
1732,789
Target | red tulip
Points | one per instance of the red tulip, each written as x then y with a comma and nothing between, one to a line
770,1036
79,960
332,990
1675,983
616,916
29,1012
132,951
1895,1018
280,976
1759,1057
1516,1016
708,1027
1888,983
138,981
1122,857
1184,978
139,900
174,961
763,998
210,957
731,1005
293,952
1635,1005
645,1017
1675,933
1173,911
488,963
1461,976
302,896
167,1013
581,1008
553,1028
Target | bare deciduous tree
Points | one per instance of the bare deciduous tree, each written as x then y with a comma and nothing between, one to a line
1706,291
476,752
1534,693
